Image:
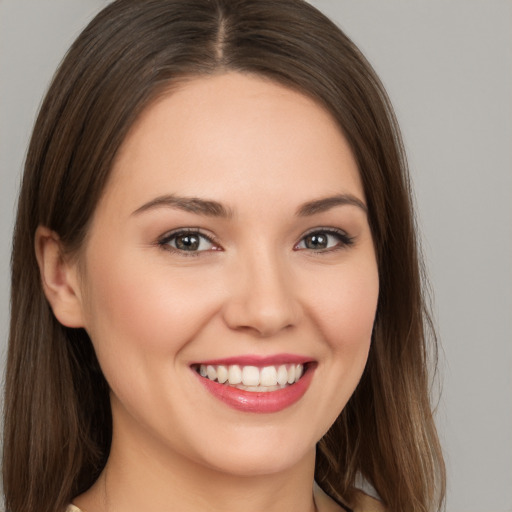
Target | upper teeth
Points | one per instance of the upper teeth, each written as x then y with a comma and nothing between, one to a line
266,376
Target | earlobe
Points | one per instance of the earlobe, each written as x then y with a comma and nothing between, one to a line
59,278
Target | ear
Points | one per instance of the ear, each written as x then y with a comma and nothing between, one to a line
59,278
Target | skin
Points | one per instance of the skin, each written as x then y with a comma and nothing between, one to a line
262,151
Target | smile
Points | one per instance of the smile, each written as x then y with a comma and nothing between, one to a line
253,378
257,385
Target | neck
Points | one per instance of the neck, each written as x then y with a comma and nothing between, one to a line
146,476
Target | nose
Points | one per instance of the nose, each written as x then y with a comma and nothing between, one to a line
262,300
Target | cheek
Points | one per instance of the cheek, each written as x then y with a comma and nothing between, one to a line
345,315
140,307
345,312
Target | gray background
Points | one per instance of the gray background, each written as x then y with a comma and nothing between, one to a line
447,68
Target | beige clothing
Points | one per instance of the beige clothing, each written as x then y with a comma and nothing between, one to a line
323,502
366,503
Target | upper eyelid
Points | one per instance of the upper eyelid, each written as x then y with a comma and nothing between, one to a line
178,231
328,230
325,229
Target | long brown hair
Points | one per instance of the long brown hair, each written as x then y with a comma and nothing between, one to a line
57,411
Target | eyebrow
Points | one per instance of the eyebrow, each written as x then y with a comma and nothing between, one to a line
212,208
189,204
326,203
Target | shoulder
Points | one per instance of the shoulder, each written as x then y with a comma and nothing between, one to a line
72,508
364,503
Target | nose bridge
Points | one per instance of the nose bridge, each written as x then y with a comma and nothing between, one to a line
262,297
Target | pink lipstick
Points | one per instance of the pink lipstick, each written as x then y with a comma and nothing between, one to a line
258,384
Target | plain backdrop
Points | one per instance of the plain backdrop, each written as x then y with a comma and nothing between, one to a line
447,68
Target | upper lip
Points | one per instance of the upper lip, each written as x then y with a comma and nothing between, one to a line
257,360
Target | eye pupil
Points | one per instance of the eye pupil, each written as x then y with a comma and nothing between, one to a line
187,242
316,241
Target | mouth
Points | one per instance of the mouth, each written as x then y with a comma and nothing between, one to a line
258,385
253,378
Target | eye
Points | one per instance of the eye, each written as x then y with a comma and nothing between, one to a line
325,240
187,241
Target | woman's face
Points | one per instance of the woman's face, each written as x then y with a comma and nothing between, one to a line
231,242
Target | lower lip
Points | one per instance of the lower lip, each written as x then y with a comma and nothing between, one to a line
256,401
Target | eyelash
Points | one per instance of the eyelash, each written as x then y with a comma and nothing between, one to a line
344,241
164,242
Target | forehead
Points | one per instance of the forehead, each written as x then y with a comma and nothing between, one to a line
238,133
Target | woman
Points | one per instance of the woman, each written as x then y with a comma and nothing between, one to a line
216,294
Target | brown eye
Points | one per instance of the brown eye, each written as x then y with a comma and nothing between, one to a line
316,241
187,241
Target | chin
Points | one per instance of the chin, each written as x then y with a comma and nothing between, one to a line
261,464
259,455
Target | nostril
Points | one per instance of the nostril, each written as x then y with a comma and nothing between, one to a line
262,300
261,322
